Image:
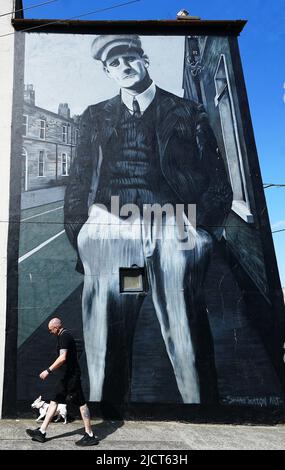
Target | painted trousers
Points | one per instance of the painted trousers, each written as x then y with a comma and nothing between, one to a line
175,275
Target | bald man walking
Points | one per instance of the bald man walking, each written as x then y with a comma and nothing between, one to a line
68,388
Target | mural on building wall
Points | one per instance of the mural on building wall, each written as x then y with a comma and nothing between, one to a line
135,171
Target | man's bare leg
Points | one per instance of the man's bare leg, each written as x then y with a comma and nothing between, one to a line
85,415
50,414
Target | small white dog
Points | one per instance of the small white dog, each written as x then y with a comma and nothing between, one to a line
42,406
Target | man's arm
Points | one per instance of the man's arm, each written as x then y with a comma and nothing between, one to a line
55,365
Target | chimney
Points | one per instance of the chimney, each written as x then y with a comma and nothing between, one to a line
29,95
63,110
185,15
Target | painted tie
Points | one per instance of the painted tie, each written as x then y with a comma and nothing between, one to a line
136,109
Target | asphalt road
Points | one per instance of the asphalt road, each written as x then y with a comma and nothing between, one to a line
47,273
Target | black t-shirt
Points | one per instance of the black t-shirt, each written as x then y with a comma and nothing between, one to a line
66,341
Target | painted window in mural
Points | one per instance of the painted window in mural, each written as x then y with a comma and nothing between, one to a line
42,129
224,101
41,163
64,165
64,133
136,246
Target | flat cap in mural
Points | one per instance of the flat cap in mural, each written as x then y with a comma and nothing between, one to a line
102,45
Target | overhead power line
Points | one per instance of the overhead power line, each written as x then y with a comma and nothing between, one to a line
281,230
273,185
73,17
28,8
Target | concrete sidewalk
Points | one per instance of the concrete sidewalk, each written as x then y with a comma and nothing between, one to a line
145,435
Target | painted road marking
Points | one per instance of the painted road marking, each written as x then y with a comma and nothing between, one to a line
39,247
41,213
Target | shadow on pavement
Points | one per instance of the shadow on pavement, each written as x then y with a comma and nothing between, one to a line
100,430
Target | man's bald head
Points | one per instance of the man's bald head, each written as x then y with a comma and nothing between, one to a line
55,325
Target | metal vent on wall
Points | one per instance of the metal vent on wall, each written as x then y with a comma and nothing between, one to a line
133,280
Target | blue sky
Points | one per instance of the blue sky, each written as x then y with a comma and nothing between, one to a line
262,51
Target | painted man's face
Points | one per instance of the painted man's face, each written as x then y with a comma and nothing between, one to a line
127,69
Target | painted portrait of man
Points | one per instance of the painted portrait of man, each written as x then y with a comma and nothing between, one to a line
145,146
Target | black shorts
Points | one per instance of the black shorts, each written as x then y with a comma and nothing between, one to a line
68,390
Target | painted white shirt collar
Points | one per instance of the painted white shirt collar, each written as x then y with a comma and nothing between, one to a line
144,99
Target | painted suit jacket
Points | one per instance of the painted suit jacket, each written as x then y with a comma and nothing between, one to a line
189,157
